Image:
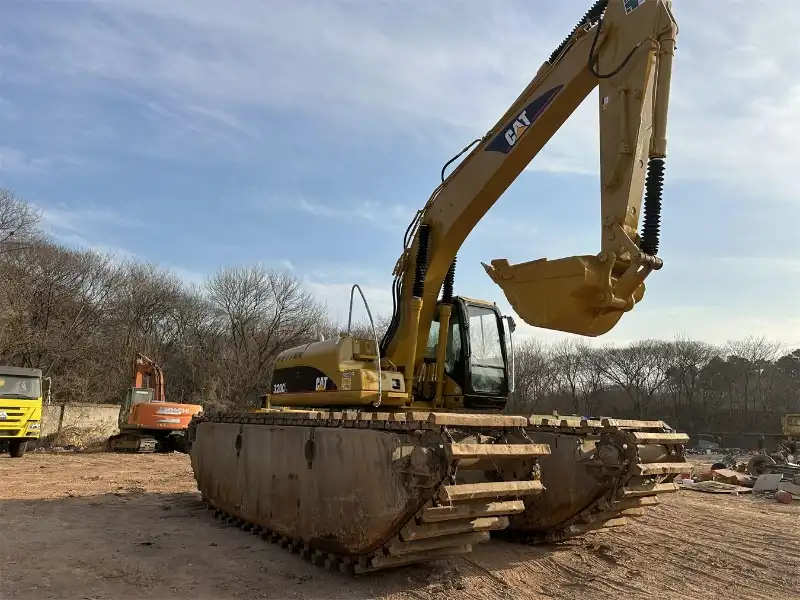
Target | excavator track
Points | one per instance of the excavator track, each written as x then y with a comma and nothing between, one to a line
488,480
438,482
598,473
132,443
140,442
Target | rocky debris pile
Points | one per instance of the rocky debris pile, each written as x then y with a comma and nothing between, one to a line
784,487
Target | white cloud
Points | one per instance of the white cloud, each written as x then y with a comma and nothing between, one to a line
13,160
213,70
83,227
377,214
203,71
77,240
61,218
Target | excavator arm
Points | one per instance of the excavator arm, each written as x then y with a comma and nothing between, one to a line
624,47
146,368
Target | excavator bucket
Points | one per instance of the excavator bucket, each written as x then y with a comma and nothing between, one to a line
565,294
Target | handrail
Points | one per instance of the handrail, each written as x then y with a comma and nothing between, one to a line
355,287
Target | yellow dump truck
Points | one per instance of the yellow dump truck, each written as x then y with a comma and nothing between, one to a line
790,427
21,392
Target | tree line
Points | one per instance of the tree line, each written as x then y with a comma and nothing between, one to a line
81,316
742,385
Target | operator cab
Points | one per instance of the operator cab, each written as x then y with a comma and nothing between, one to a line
477,354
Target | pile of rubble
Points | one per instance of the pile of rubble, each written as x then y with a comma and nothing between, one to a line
707,447
778,481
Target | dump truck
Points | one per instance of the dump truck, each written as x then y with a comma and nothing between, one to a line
790,427
372,454
21,393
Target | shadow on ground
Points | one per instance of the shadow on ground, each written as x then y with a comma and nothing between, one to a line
134,544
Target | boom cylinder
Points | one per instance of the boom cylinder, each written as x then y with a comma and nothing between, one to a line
408,371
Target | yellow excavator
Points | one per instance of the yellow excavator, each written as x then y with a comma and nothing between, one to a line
369,455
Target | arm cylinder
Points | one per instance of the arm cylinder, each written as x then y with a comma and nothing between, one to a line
658,147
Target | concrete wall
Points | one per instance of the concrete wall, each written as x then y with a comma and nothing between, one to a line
78,424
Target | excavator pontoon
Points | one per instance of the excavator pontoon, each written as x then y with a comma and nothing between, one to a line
369,455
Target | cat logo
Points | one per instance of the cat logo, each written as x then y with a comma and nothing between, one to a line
507,139
631,5
517,128
3,416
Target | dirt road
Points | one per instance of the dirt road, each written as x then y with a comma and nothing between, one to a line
97,526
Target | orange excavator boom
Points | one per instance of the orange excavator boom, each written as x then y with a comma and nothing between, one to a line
147,368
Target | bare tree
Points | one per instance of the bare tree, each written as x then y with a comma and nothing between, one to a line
533,373
689,357
56,299
264,312
19,222
640,369
569,359
751,357
592,383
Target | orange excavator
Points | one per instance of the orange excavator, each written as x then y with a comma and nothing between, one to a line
147,423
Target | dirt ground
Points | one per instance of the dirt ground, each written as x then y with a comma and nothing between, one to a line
97,526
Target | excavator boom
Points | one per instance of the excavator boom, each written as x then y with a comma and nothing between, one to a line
148,374
627,54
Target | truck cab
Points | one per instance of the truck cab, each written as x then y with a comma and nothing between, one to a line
790,427
21,392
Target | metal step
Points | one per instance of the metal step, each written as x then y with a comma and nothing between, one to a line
412,531
646,437
659,468
648,489
436,514
497,451
470,491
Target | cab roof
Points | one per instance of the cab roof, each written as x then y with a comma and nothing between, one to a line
20,371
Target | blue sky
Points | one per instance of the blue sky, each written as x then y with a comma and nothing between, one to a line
304,134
